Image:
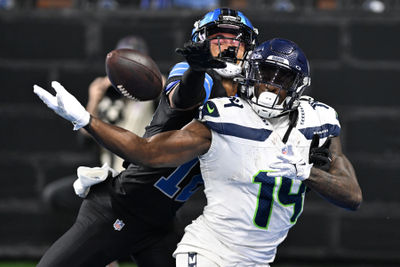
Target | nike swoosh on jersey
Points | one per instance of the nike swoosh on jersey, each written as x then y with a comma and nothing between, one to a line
210,110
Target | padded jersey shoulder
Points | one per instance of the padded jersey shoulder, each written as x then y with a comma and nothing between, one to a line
317,118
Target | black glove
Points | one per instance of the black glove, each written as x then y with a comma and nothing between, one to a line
199,57
320,156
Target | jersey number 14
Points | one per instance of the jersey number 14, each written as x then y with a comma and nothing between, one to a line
276,189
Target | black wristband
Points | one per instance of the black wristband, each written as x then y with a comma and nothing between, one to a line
87,126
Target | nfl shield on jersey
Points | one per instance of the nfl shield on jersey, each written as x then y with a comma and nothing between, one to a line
248,213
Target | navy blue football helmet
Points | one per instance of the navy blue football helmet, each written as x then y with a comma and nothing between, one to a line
281,65
226,20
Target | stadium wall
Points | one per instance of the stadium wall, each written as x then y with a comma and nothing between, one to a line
355,66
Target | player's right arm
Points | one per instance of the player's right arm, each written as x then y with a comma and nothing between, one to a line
189,93
186,88
194,85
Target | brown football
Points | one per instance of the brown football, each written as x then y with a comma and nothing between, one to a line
134,74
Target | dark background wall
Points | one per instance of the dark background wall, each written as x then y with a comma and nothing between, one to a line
355,61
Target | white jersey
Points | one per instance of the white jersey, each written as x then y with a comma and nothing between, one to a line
248,214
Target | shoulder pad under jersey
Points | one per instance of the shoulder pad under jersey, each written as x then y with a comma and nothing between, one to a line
317,118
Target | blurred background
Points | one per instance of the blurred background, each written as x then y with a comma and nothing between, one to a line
354,50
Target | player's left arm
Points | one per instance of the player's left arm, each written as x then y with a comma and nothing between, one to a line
339,185
168,149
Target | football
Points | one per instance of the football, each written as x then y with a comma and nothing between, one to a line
134,74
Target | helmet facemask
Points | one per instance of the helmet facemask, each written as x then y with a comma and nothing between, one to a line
228,48
229,51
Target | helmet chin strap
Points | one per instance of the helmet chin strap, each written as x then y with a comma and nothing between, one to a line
231,70
268,99
266,104
229,53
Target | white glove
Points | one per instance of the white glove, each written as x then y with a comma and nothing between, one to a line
90,176
290,164
64,104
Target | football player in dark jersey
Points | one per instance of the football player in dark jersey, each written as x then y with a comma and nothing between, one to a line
133,212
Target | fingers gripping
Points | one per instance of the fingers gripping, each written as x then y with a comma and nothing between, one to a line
290,165
320,156
58,88
61,94
46,97
314,141
327,143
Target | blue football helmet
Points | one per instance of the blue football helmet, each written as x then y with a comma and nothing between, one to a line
281,65
226,20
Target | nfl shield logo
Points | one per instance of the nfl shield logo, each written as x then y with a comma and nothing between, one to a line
118,225
284,150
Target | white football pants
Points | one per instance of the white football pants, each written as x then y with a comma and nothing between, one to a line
193,260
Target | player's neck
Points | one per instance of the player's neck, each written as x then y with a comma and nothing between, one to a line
230,86
280,121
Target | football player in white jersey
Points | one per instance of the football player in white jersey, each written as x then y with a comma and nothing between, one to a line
258,153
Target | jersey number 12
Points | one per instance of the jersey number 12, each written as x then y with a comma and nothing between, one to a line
170,185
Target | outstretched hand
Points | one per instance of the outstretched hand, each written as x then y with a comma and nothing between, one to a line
199,57
320,156
64,104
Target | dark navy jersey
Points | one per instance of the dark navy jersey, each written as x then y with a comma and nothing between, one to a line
154,194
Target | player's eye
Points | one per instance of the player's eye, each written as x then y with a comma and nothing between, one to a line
225,40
